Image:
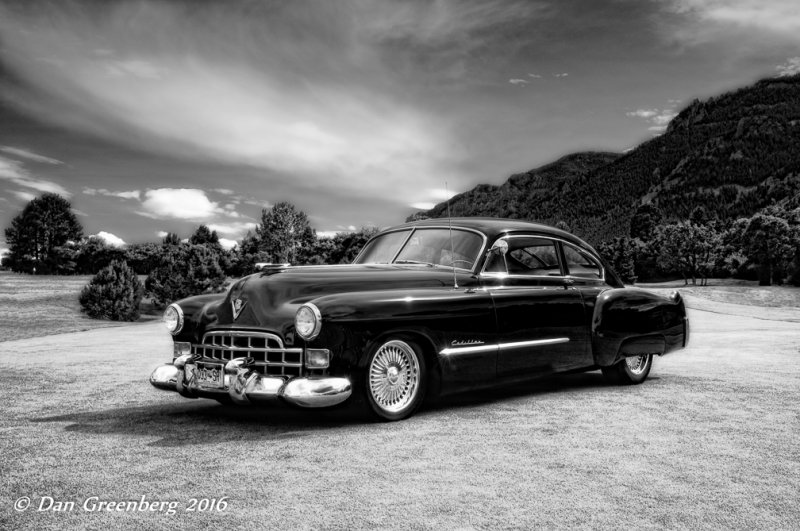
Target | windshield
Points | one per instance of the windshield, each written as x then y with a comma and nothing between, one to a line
424,246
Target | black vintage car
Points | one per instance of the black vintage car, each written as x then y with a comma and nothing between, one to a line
428,308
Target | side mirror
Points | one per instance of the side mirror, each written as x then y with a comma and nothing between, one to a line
268,267
500,247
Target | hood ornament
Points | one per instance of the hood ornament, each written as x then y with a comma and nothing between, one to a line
238,305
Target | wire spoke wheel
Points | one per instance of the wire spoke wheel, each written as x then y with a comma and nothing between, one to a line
632,370
394,378
637,364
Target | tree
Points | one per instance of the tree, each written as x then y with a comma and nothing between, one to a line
45,223
204,236
143,257
622,254
114,293
347,245
688,249
284,233
171,239
645,221
183,271
770,243
94,254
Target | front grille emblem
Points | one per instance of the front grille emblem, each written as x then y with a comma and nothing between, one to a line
238,306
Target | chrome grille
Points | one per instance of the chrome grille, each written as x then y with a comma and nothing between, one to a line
269,355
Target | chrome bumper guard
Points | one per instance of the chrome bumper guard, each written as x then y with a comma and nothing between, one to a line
245,386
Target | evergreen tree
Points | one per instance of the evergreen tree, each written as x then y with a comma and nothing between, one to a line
183,271
114,293
45,223
204,236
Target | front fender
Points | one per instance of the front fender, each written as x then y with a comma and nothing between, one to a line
353,322
632,321
198,312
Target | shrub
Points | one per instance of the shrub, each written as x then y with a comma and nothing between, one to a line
184,271
114,293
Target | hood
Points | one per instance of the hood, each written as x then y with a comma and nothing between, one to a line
271,298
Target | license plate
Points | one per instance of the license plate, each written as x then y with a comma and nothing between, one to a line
208,376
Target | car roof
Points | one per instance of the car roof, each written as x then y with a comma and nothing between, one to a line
494,227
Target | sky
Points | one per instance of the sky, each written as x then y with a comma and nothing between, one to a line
155,116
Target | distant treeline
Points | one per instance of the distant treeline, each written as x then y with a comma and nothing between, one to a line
46,238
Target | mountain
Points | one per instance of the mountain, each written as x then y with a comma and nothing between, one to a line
732,154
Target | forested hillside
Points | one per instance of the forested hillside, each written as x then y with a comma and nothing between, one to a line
733,155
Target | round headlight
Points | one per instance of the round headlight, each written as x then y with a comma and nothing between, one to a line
173,319
308,321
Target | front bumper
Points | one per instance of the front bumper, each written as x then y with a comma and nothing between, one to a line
245,386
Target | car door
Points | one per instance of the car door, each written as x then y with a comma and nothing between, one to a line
541,322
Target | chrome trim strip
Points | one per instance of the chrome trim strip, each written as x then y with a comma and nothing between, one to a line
503,346
414,229
534,343
465,350
546,237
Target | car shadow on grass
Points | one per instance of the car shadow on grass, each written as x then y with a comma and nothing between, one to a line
205,422
180,422
556,384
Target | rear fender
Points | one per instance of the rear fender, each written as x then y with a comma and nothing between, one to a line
633,321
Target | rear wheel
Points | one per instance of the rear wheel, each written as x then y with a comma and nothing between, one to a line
396,378
630,371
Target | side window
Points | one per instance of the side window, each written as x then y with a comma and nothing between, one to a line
580,264
527,255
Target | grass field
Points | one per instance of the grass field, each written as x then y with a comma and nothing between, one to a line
709,441
33,306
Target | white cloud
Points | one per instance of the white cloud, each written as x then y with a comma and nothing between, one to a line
441,193
132,194
224,191
643,113
564,74
516,81
133,68
110,239
14,172
225,88
228,244
535,76
79,213
178,203
236,229
789,68
25,196
423,206
162,234
776,15
25,154
658,118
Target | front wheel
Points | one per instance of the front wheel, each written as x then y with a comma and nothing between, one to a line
395,382
630,371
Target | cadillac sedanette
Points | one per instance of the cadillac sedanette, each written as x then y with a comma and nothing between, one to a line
428,308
